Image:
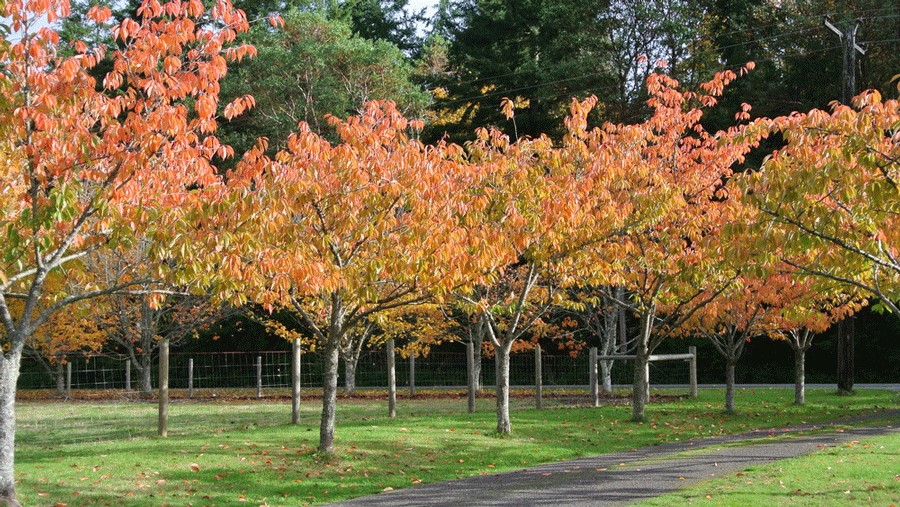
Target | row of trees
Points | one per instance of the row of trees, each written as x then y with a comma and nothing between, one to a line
661,216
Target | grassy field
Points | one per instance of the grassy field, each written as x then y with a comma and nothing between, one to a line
865,472
236,453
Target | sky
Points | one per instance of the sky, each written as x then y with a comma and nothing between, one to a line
416,5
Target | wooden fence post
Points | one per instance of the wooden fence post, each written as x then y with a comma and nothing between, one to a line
128,376
295,385
470,369
693,370
163,425
595,391
191,377
538,379
259,376
68,379
392,379
412,374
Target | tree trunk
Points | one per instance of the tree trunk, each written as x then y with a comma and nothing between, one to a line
9,375
501,356
329,399
59,376
799,376
145,368
845,356
350,372
606,376
729,385
470,377
640,390
476,364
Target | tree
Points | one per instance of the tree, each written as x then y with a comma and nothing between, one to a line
603,320
535,206
539,53
310,68
383,20
137,321
676,204
812,305
91,169
63,335
744,311
829,197
338,233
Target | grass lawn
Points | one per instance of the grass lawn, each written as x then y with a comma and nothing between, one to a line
863,472
229,453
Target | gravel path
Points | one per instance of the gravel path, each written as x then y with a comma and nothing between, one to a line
624,477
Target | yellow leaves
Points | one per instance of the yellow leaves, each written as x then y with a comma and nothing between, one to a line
507,107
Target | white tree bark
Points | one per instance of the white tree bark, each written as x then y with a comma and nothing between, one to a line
729,384
10,363
329,398
799,377
501,355
350,363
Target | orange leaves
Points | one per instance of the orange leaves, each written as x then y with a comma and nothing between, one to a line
276,21
206,106
99,13
238,106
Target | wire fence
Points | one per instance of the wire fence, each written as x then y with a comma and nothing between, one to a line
225,388
202,373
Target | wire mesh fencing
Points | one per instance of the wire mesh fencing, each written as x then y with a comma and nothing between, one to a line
221,391
269,373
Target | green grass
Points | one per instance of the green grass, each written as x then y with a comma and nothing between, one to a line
855,473
227,454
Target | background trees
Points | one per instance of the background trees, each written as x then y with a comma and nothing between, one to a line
308,69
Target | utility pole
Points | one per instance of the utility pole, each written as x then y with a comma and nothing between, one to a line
846,331
848,42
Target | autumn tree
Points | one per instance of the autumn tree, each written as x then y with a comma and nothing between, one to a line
338,233
65,334
676,204
745,310
536,205
812,305
89,169
138,320
829,197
